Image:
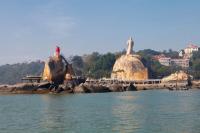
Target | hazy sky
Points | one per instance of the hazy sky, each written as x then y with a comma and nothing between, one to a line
30,29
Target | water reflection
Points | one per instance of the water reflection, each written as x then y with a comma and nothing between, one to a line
53,119
124,113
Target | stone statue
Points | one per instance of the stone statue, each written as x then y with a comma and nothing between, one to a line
130,44
129,66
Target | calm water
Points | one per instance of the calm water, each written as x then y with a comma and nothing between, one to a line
129,112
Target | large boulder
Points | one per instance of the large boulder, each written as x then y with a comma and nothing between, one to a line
178,76
129,67
56,69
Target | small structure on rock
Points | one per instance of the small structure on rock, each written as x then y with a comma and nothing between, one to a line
57,68
129,66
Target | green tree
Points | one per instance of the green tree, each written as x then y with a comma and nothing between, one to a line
195,65
103,66
77,64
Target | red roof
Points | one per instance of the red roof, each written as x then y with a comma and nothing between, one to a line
192,46
157,57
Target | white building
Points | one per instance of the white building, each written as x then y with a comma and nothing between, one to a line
180,62
165,61
188,51
174,62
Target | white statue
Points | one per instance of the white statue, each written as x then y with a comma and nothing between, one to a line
130,44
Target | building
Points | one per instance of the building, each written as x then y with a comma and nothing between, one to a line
175,62
191,48
185,63
188,51
157,57
166,61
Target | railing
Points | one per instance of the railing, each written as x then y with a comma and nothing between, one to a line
32,79
115,81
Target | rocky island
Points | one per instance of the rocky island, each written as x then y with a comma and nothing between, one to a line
129,74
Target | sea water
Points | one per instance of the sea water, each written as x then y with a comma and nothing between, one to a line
152,111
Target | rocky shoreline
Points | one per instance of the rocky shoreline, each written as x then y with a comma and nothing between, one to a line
47,88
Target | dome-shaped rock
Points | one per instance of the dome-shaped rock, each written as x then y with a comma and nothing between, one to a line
129,67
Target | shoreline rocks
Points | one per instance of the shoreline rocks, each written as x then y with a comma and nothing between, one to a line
46,88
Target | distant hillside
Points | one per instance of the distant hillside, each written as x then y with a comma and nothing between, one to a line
11,74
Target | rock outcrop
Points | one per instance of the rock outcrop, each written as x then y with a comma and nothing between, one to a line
178,76
24,88
129,67
56,68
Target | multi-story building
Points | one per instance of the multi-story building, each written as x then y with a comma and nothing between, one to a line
184,62
165,61
180,62
191,48
188,51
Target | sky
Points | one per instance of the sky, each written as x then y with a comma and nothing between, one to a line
30,29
